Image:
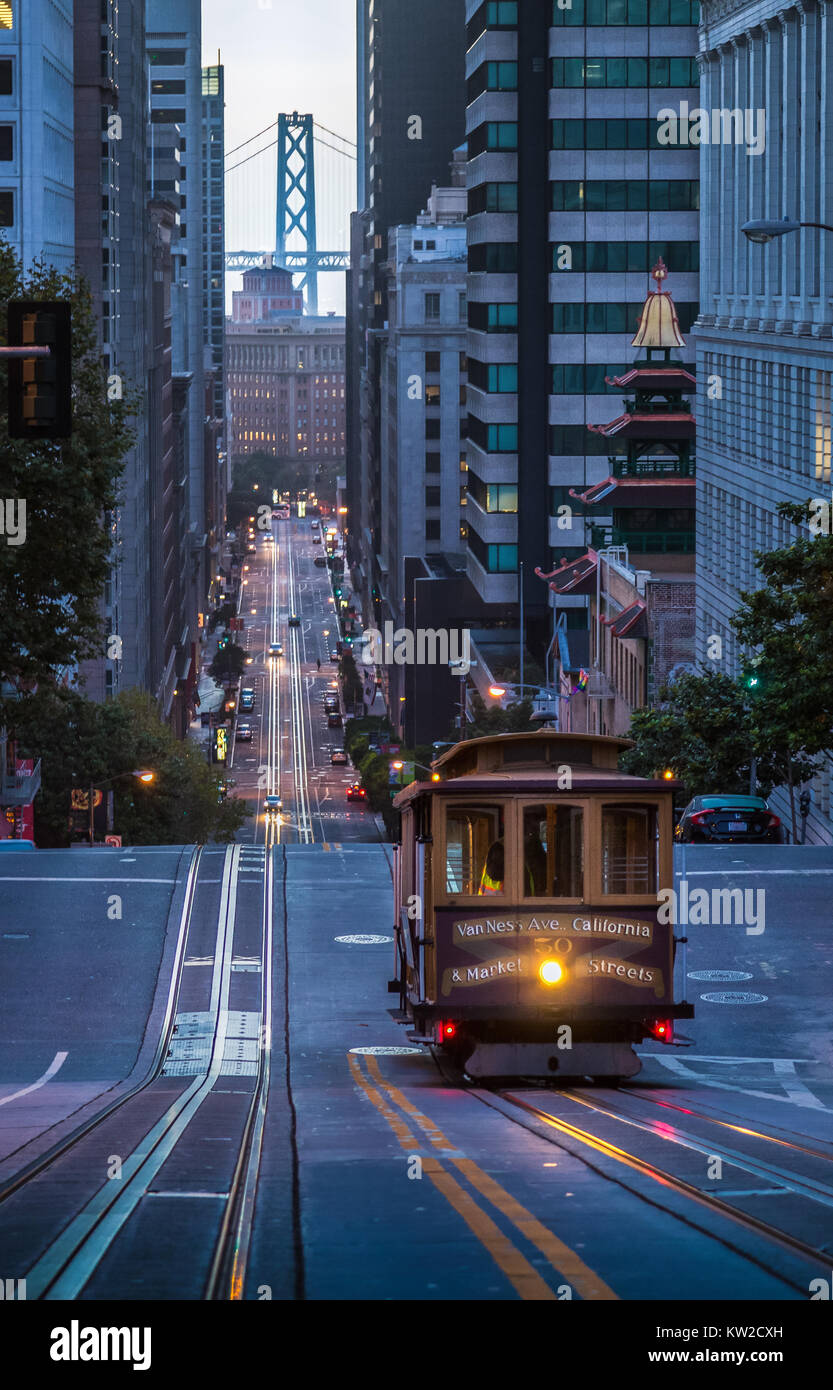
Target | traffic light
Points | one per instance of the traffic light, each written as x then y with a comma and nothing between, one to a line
754,677
40,388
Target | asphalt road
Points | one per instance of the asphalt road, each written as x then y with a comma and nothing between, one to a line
292,744
280,1137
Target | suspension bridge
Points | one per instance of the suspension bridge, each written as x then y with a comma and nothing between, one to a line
307,157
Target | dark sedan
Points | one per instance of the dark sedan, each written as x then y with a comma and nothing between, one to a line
730,819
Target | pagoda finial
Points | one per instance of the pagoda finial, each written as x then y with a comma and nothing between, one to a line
658,325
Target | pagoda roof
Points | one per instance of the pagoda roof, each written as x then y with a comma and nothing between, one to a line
654,378
635,492
659,326
631,622
650,424
574,576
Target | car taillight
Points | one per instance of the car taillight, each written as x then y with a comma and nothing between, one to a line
773,822
699,817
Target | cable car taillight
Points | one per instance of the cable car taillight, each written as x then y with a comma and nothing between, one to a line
662,1029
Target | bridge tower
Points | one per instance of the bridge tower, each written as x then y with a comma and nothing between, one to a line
296,198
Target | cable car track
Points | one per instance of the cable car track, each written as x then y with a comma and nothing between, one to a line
540,1120
71,1258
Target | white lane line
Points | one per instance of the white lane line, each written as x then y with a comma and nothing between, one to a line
703,873
103,878
808,1101
55,1065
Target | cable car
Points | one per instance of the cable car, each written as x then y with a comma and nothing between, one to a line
530,938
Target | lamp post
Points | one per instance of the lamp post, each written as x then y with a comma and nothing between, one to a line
497,692
764,229
461,669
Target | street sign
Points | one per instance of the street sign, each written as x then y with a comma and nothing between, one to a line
114,840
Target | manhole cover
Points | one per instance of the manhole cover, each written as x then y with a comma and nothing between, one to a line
387,1051
724,975
364,940
732,996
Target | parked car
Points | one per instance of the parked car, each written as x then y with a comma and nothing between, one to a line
333,719
17,844
356,793
338,756
728,819
247,699
243,733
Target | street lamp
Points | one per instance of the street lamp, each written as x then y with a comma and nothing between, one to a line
763,229
141,774
497,692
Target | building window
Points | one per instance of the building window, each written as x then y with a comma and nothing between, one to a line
6,14
170,87
6,143
496,559
495,257
6,207
586,378
502,14
433,463
502,135
167,115
167,57
432,307
622,256
635,133
495,197
432,362
597,13
6,77
625,195
493,318
432,429
432,395
461,305
433,497
625,72
609,317
433,530
494,439
502,77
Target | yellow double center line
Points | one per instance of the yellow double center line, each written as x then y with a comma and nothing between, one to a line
526,1281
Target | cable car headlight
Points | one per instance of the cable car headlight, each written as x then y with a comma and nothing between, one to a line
550,972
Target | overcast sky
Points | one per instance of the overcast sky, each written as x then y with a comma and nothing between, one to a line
285,56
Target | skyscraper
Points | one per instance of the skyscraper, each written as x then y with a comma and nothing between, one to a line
37,176
572,199
765,385
411,104
112,253
174,40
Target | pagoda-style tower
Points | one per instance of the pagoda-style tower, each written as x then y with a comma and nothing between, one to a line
651,489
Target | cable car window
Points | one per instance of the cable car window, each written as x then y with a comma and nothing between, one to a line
630,849
553,852
474,850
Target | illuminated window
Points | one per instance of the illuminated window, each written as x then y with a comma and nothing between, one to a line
6,15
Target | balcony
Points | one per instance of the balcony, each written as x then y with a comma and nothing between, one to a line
644,542
19,788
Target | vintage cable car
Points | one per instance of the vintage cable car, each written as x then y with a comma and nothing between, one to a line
530,938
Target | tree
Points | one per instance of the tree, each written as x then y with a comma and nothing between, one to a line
514,719
788,624
228,664
82,743
700,729
51,584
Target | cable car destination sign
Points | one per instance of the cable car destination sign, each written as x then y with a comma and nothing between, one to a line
500,956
